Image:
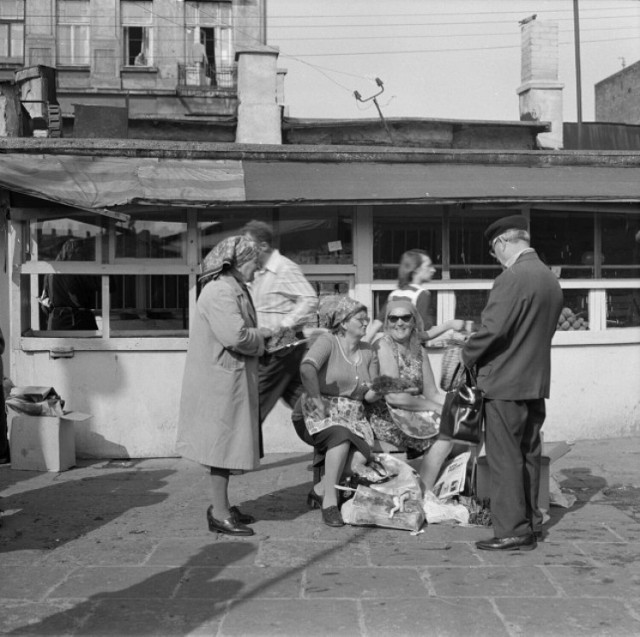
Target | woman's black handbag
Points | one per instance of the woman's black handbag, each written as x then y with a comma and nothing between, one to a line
462,413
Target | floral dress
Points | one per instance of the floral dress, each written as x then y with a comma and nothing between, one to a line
384,428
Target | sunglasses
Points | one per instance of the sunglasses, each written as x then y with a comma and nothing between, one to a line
394,318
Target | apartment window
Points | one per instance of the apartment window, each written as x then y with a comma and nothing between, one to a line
73,33
12,29
137,34
209,25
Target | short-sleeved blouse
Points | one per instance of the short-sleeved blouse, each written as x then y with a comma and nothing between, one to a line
337,375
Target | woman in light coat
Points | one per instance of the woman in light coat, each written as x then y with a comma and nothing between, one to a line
218,422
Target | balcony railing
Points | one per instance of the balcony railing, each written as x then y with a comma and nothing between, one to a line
208,76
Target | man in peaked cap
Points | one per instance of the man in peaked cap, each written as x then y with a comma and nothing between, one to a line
512,353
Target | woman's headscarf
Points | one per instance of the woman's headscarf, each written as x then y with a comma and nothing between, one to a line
408,308
334,309
230,252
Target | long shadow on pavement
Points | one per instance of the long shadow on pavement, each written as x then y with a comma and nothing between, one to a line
583,484
155,605
47,517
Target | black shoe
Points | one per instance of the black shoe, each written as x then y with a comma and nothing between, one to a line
314,501
412,453
240,517
539,535
331,516
228,526
517,543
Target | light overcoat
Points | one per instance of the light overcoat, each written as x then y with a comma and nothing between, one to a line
218,421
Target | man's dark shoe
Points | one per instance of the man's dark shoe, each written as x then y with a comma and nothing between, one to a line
518,543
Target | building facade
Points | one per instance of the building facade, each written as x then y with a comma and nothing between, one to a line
618,96
130,220
157,58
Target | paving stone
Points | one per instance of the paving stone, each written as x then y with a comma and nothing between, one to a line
211,550
119,581
26,557
577,532
613,553
241,582
490,581
129,548
30,582
366,582
547,553
423,553
63,617
567,617
308,552
292,618
433,616
610,581
153,617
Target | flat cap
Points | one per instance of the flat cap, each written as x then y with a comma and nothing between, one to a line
514,222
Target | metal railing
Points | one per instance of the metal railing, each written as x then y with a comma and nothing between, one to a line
207,76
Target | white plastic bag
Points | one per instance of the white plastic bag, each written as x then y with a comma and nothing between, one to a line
436,510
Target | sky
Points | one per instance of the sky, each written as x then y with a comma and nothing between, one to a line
457,59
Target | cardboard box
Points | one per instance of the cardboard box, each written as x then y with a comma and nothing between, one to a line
44,443
551,451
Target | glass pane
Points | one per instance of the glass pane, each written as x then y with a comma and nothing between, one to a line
620,245
73,302
565,242
397,229
73,238
316,235
468,251
17,40
81,45
304,234
149,303
65,45
470,303
575,312
141,238
4,40
623,308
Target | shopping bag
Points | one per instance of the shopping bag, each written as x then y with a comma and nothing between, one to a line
462,413
370,507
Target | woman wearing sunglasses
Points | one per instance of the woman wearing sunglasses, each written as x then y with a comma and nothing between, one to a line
336,374
415,271
409,417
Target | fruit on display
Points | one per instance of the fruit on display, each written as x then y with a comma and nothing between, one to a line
569,320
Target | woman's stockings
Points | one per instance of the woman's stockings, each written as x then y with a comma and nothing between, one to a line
219,493
432,462
334,462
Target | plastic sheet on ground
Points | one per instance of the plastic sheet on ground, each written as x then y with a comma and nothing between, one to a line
437,511
557,498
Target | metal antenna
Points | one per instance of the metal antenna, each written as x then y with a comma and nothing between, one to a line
375,101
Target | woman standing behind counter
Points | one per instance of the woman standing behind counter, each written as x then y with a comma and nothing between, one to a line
218,422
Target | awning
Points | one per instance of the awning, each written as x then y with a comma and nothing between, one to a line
95,183
112,183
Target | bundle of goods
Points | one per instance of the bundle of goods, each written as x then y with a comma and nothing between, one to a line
388,385
282,338
570,321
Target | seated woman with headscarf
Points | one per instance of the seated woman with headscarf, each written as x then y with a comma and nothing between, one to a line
336,373
409,415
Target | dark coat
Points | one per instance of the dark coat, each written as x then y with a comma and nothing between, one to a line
512,348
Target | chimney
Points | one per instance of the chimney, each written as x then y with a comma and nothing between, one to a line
540,92
259,120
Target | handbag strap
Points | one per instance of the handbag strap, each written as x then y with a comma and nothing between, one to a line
470,376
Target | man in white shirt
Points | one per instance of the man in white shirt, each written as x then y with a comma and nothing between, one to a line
283,299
